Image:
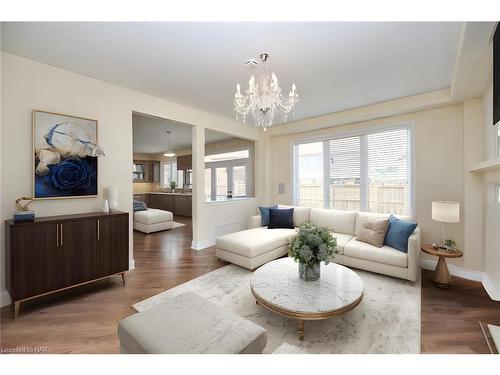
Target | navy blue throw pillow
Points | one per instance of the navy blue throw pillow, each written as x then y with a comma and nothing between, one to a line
398,233
264,214
280,218
140,206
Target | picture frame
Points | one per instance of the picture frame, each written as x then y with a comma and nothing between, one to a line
62,167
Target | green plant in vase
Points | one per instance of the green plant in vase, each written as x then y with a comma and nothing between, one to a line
173,185
313,245
450,245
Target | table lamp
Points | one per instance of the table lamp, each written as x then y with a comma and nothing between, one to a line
445,212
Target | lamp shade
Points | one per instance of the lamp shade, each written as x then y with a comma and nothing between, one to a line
445,211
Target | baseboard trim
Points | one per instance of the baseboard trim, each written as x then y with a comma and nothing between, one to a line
492,288
489,285
131,264
430,264
4,298
202,245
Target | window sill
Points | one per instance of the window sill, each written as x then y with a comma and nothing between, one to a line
229,201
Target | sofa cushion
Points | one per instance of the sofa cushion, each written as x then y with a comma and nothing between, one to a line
362,217
300,214
340,221
189,324
342,240
153,216
384,254
264,214
253,242
373,232
280,218
398,233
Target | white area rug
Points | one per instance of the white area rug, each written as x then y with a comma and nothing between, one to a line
175,224
386,321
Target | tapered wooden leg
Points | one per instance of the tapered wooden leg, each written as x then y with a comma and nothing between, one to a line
16,309
300,329
123,278
442,276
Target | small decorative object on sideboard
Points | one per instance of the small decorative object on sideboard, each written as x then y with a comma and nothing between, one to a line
105,206
110,193
450,245
173,185
313,245
23,214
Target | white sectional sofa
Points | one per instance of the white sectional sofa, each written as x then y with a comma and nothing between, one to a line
258,245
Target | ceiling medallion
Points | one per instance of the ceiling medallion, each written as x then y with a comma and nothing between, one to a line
263,97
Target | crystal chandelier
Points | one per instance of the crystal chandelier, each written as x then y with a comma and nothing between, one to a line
263,97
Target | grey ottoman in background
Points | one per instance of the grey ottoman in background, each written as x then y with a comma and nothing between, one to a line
189,324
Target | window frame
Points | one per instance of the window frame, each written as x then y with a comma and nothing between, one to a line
363,134
229,165
172,165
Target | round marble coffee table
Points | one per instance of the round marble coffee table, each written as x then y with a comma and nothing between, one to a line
277,286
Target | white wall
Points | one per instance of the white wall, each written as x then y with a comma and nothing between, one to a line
28,84
492,208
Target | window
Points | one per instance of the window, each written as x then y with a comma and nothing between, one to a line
310,174
498,138
208,184
227,175
221,183
169,173
369,171
180,178
345,174
239,181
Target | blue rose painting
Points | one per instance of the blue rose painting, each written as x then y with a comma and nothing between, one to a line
63,167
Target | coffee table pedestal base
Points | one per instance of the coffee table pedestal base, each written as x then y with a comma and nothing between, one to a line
300,329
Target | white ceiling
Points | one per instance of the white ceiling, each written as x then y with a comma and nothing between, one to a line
335,66
150,135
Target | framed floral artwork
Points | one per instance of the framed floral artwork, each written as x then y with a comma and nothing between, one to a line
62,165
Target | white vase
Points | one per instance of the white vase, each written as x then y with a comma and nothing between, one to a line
111,194
105,206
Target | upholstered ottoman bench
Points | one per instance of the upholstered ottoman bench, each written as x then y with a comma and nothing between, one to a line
189,324
153,220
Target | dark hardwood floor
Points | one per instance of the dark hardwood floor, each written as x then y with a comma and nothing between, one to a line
84,320
450,317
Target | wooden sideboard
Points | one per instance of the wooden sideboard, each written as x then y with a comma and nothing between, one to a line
60,252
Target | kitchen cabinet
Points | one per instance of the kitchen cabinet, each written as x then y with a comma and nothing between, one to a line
183,205
185,162
178,204
146,171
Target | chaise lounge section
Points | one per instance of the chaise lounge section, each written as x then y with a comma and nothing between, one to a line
258,245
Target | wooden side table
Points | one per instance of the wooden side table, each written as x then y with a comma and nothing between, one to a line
442,277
